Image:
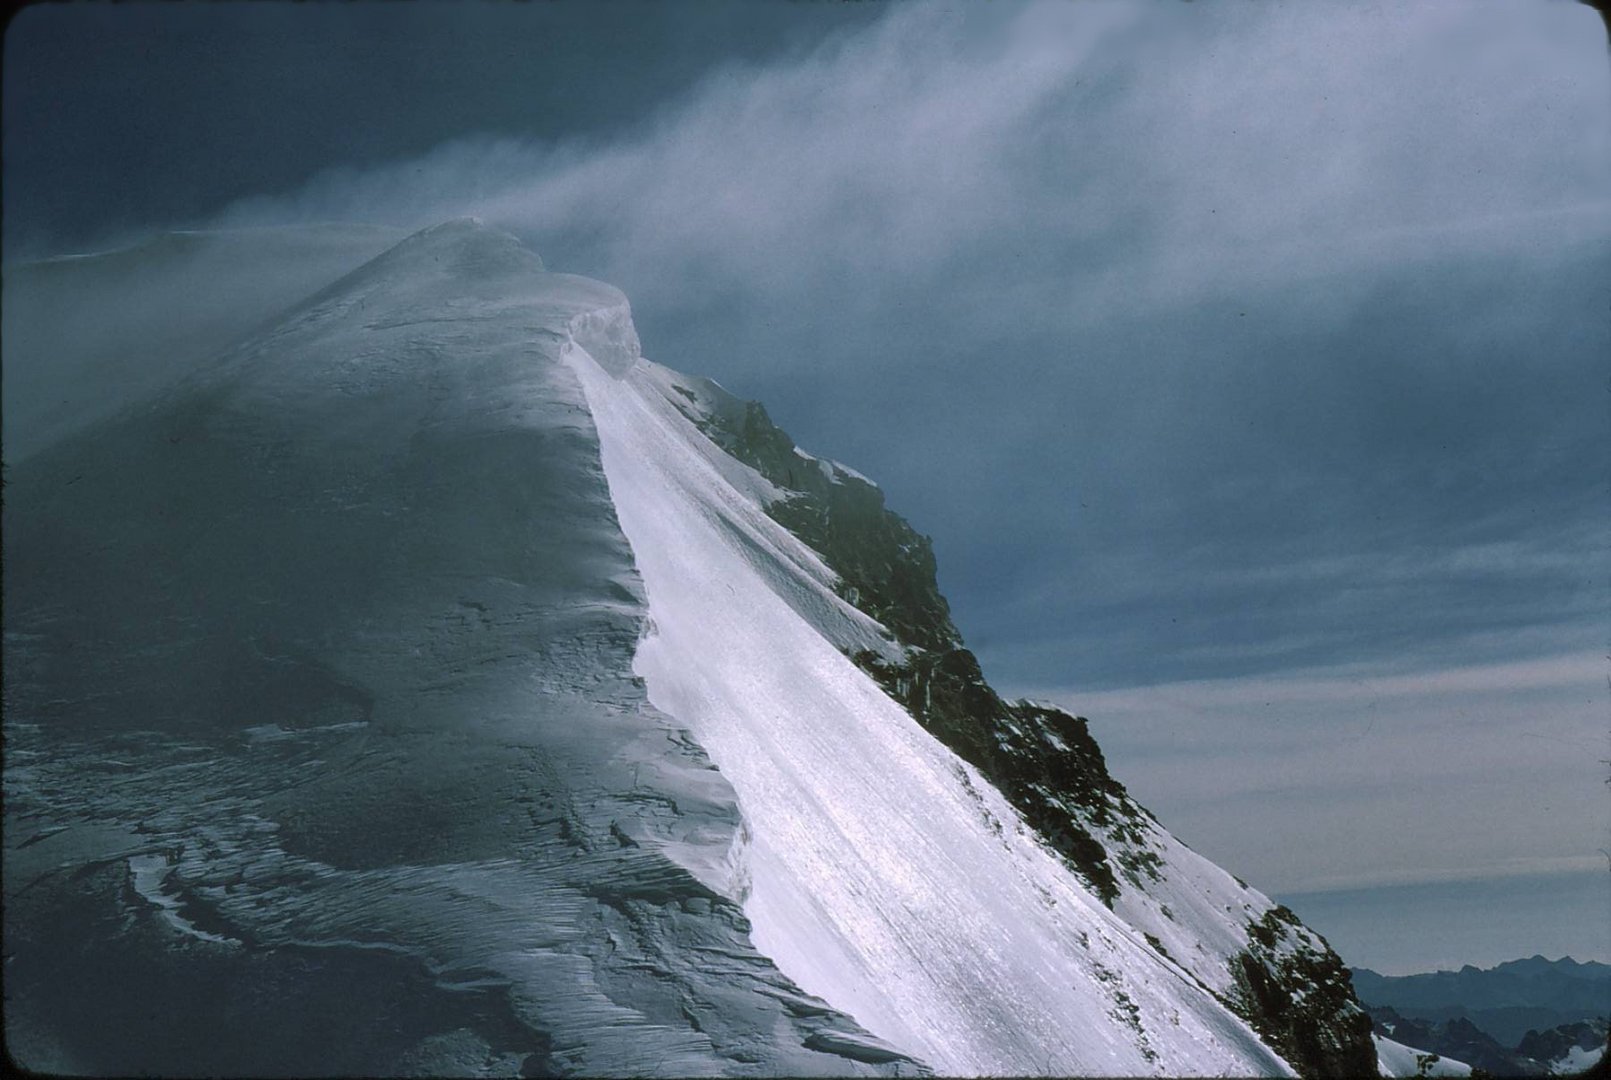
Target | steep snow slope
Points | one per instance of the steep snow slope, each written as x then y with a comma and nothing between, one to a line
1252,955
883,873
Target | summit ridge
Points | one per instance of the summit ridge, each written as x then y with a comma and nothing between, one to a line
449,648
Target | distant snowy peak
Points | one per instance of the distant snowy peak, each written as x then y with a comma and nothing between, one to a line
1398,1060
1506,1000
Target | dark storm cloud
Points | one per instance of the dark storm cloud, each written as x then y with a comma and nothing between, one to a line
122,117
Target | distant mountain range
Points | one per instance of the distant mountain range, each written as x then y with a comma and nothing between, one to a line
1506,1001
1519,1018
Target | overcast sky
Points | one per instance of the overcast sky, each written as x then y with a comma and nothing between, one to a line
1247,364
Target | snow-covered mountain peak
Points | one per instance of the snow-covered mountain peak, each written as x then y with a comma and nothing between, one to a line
443,635
461,314
462,249
463,269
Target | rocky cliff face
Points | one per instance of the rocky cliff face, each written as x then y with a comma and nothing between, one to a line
1285,981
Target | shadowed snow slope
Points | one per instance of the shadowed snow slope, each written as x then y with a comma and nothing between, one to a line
415,687
321,726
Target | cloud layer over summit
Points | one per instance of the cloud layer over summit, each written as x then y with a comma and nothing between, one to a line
1248,319
1212,344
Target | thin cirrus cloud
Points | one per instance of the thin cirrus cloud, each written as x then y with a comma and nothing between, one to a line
1246,143
1366,771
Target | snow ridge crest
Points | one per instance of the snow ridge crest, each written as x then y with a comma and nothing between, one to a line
608,336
